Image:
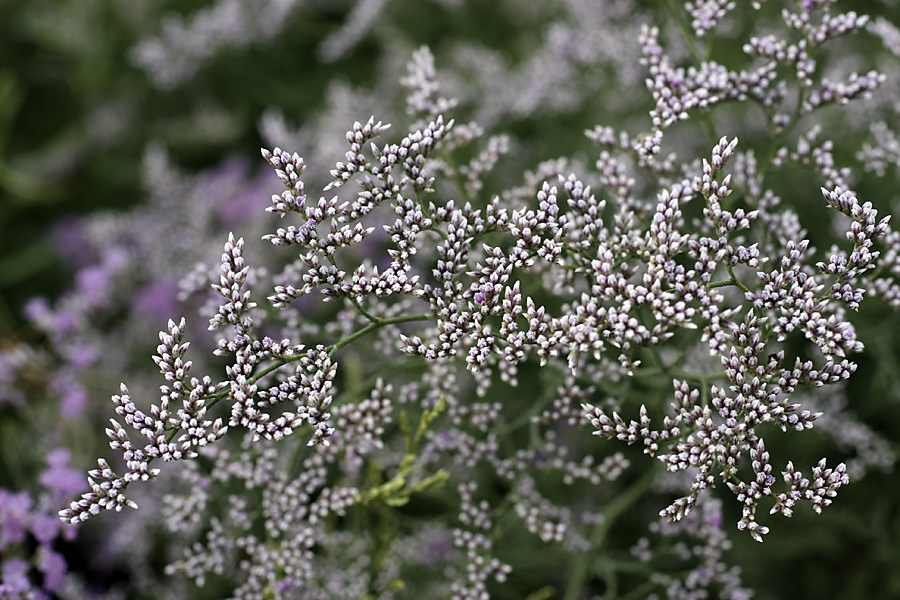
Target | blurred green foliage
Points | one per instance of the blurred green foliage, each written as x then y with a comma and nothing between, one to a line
76,116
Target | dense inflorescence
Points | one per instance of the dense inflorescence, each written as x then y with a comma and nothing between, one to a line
484,353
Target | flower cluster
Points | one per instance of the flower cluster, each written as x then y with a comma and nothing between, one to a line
432,373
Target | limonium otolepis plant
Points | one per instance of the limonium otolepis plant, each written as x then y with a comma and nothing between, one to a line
671,301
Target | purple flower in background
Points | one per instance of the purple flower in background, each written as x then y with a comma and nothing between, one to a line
157,300
15,579
59,477
93,284
20,514
54,568
242,206
73,398
15,517
81,355
238,199
39,311
45,528
71,243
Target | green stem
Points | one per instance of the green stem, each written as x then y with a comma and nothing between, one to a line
618,506
363,311
378,324
732,280
739,285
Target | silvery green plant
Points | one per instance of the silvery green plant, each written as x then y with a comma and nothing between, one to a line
486,353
